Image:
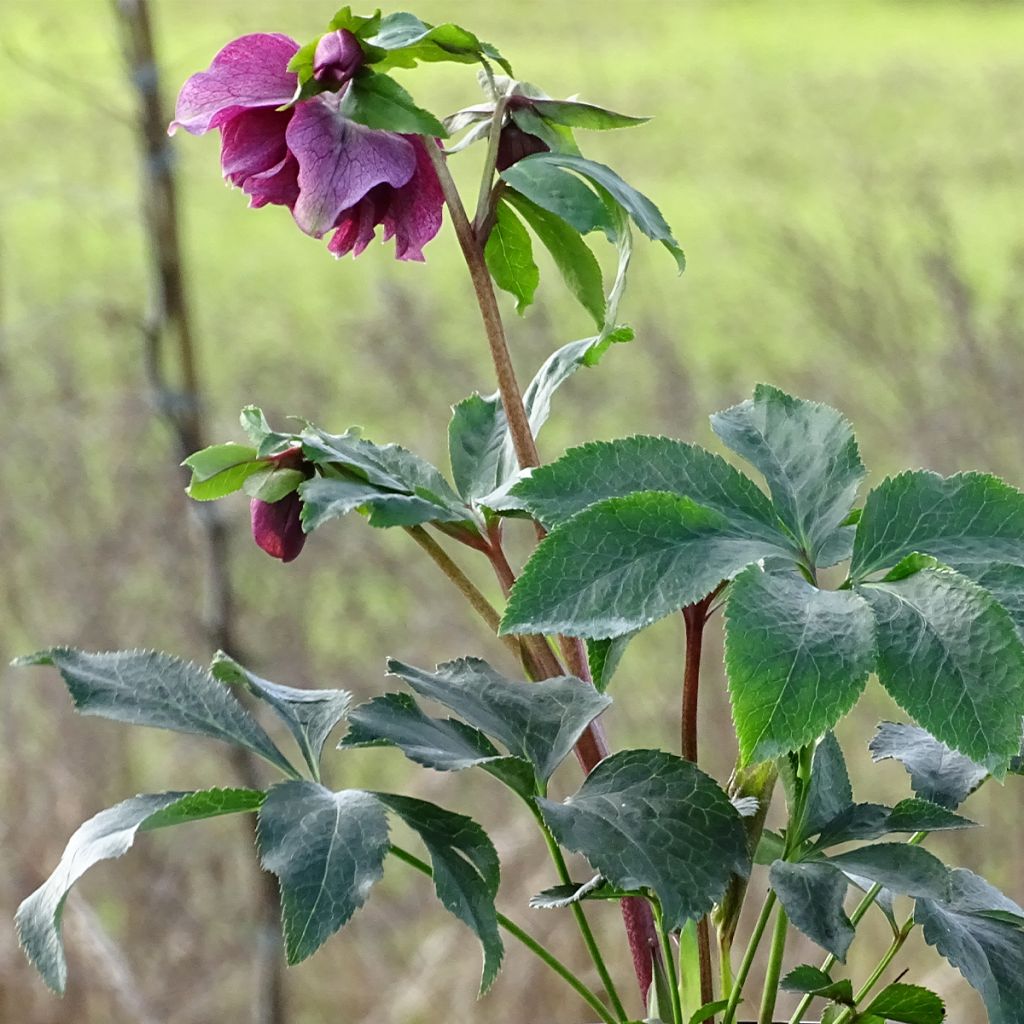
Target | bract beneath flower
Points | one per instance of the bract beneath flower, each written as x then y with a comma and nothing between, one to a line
331,172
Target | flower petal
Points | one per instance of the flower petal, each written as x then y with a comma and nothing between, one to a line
251,71
276,526
340,161
355,229
278,186
253,143
415,212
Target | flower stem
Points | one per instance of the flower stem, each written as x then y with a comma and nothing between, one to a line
483,206
508,386
670,964
895,946
535,947
581,919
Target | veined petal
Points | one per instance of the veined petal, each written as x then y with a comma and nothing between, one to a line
251,71
340,161
355,229
415,212
278,186
253,143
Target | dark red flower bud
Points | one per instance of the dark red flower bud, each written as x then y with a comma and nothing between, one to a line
338,57
276,526
514,144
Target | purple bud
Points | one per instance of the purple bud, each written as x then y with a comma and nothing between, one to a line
276,526
514,144
338,57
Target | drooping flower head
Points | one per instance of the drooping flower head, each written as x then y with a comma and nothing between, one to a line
332,173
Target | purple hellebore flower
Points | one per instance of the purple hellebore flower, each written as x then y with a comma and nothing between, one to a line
333,174
276,526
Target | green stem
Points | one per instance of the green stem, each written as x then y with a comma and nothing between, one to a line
535,947
748,957
890,954
855,918
670,966
774,972
581,918
483,205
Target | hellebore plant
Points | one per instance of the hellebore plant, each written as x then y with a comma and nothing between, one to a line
922,585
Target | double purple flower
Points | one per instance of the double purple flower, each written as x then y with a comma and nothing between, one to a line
332,173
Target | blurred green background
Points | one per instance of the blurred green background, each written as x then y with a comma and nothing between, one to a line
846,178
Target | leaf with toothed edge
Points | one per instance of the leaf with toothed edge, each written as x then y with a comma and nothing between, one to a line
624,563
109,835
812,895
647,819
907,1004
153,689
539,722
830,791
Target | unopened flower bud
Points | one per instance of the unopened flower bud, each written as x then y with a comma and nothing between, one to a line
514,144
338,57
276,526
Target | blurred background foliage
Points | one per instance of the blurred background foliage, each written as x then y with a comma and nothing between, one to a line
846,178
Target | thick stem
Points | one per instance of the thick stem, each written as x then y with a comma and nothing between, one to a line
535,947
774,972
695,617
508,385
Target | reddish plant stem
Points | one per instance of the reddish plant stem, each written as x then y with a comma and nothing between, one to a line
695,617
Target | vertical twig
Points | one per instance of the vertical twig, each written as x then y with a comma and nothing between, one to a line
169,325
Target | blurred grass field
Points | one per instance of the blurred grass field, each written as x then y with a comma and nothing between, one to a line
846,178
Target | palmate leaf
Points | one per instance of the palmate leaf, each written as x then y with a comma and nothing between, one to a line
937,773
797,657
808,456
538,722
949,655
310,715
154,689
981,933
624,563
109,835
647,819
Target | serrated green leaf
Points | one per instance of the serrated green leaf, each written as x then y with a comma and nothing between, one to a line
647,819
531,174
509,257
603,657
830,790
708,1010
574,114
624,563
1005,583
968,521
327,498
327,850
310,715
910,1004
466,871
562,193
575,262
539,722
807,454
378,101
406,41
394,719
870,821
937,773
108,835
154,689
812,895
221,470
909,565
950,656
987,950
908,870
599,470
797,659
814,981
